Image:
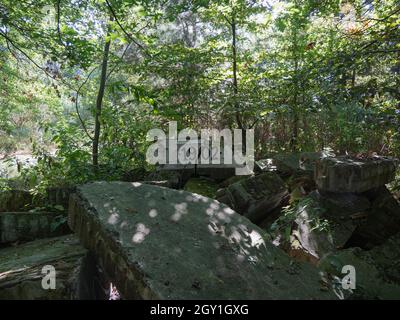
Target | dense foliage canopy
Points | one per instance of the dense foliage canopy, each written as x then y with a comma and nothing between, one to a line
87,79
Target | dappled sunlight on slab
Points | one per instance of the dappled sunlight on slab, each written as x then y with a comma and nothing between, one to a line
197,245
114,216
153,213
141,232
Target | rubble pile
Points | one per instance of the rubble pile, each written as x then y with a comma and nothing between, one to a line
285,232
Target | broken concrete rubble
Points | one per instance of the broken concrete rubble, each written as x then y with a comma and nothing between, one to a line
290,163
321,224
377,271
382,219
218,172
347,220
21,269
352,207
159,243
28,226
256,196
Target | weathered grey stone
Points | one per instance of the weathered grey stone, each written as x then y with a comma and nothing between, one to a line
21,269
169,178
343,204
162,183
346,174
323,224
381,221
377,271
256,196
290,163
15,200
223,197
59,196
362,220
300,184
159,243
27,226
218,172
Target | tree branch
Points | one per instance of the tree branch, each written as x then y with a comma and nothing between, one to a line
124,31
5,36
58,22
76,103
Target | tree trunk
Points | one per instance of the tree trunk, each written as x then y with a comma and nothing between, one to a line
295,115
235,80
99,102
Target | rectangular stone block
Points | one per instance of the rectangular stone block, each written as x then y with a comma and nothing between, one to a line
28,226
15,200
346,174
255,197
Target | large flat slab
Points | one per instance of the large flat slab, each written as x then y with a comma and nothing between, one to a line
159,243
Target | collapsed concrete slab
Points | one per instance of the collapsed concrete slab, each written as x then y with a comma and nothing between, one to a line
346,174
21,269
28,226
381,221
256,196
377,271
159,243
320,224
